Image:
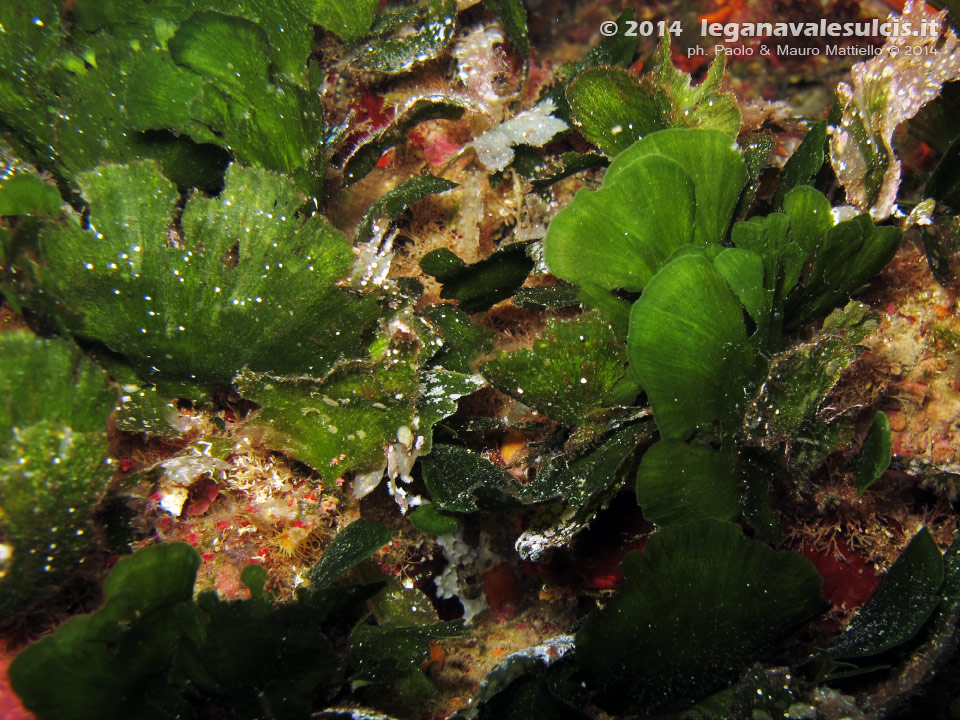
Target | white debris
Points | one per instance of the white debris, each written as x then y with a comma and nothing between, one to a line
842,213
531,127
462,555
366,483
6,556
480,61
922,214
470,218
180,473
547,652
374,258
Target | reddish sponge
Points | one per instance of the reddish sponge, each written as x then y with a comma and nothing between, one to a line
848,579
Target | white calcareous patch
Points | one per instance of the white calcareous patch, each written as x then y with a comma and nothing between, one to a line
907,73
535,126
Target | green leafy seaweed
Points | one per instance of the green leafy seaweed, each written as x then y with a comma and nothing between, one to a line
482,284
355,543
900,606
804,163
658,196
400,199
221,294
569,371
432,521
343,422
698,603
613,109
152,651
461,481
54,464
681,482
875,454
27,194
349,20
688,348
434,26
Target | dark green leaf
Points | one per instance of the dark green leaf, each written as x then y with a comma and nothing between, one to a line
757,148
800,378
874,456
151,652
848,256
900,606
699,603
341,423
442,264
395,604
26,194
212,81
103,662
462,341
143,409
513,17
688,347
744,272
483,284
54,464
432,521
541,298
457,477
578,488
389,658
61,94
352,545
762,289
349,20
757,473
50,381
945,616
941,243
810,218
254,577
399,200
805,162
569,371
613,308
681,482
440,392
433,32
257,659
